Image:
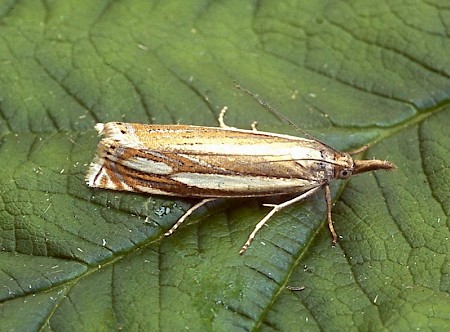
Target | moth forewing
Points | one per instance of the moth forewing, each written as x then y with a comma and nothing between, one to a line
218,162
206,161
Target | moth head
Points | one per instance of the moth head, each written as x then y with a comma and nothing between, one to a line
344,166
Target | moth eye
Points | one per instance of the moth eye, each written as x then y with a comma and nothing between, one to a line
344,174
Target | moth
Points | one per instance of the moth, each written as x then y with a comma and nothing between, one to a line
219,162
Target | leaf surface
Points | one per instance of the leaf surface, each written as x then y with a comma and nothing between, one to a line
350,73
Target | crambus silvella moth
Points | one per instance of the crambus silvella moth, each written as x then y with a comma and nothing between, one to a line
219,162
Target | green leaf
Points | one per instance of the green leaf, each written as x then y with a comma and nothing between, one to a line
350,73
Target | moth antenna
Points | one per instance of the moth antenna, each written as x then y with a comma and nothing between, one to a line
275,112
280,115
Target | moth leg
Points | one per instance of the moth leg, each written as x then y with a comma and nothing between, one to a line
221,118
329,220
275,208
187,214
254,124
222,121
